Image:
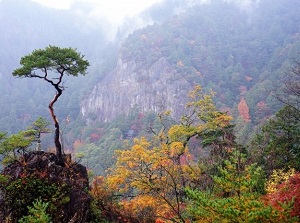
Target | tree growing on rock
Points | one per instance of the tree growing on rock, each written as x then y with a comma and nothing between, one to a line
14,145
39,127
52,64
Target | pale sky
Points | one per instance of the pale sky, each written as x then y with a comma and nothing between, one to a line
114,10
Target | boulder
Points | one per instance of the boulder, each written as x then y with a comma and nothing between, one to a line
38,175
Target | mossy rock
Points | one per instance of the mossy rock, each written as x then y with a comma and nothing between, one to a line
39,174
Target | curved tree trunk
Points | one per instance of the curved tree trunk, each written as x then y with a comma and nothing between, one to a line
56,124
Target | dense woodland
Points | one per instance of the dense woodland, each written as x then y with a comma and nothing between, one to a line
232,156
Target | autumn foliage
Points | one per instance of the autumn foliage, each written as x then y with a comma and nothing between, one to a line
244,110
158,180
288,191
152,179
149,179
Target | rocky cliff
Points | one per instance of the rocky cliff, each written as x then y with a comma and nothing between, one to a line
38,175
158,64
130,85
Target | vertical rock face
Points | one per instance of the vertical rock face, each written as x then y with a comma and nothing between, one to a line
130,85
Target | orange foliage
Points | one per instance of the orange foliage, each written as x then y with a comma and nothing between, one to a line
248,78
156,174
103,195
77,143
143,207
244,110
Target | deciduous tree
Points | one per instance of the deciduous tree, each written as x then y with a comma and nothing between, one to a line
244,110
162,167
287,190
160,172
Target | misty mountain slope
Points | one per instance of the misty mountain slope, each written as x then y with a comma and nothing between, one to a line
27,26
240,52
128,87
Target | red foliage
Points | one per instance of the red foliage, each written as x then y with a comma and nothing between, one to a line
244,110
77,143
286,192
262,105
243,89
94,137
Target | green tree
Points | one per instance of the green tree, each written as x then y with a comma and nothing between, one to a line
2,136
291,89
52,64
205,207
14,144
37,213
236,177
39,127
235,198
20,193
277,145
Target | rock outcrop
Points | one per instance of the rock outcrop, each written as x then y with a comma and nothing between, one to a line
38,175
130,85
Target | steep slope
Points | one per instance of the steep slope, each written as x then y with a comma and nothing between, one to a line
237,51
38,175
28,26
128,86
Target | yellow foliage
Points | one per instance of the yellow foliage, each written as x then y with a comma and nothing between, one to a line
278,176
176,149
145,204
181,132
223,120
153,175
193,93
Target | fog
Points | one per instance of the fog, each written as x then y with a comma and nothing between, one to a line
114,16
110,15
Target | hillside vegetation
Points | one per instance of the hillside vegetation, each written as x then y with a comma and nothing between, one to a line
194,118
240,53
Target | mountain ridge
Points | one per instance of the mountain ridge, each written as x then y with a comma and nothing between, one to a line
217,45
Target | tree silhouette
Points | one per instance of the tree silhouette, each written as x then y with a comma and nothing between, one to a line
52,64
